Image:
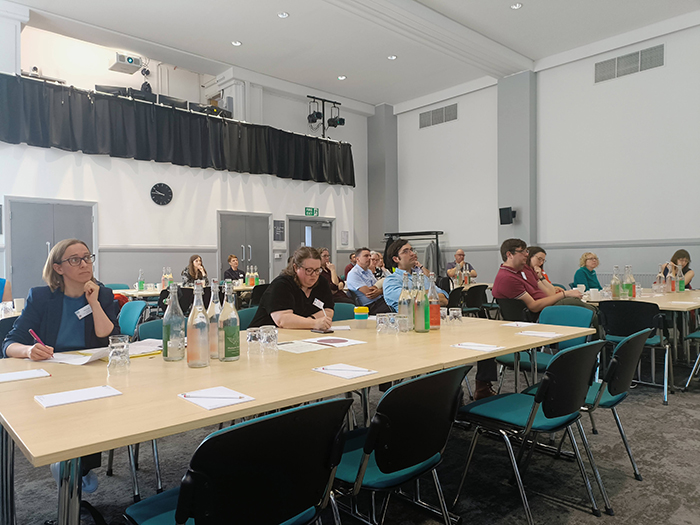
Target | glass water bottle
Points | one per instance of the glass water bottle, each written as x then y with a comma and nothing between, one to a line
421,307
660,281
173,328
680,278
142,281
615,283
406,301
229,336
434,302
628,282
213,313
198,331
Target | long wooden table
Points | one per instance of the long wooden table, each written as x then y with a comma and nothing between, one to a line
149,407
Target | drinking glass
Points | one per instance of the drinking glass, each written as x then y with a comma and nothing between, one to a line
119,360
624,294
253,340
6,309
268,339
403,323
382,324
392,324
444,315
638,291
455,316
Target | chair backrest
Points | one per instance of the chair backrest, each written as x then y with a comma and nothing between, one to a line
566,381
344,312
475,296
6,325
513,310
455,298
291,454
352,295
258,291
129,317
444,282
245,315
624,361
185,297
118,286
414,419
162,306
567,315
572,285
151,330
624,318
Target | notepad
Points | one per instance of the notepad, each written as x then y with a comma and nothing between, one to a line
300,347
534,333
215,397
76,396
519,324
136,349
24,374
336,342
73,359
479,346
344,371
340,327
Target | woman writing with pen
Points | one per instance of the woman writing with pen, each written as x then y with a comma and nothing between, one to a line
72,313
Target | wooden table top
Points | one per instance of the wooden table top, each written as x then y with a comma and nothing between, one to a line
672,302
149,407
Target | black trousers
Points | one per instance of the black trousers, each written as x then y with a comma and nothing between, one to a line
486,370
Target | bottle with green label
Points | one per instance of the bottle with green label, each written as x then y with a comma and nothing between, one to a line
680,278
229,329
628,282
173,328
141,282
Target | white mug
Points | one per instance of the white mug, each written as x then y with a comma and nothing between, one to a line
581,288
19,305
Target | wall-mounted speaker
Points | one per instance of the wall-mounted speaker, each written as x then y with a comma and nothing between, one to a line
507,215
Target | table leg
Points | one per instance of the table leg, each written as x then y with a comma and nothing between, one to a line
7,478
365,406
516,370
675,338
70,488
533,364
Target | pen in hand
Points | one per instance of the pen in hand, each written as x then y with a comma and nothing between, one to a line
36,337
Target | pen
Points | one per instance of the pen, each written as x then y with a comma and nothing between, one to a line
36,337
189,396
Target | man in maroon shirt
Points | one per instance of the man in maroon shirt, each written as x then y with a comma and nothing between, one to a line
516,280
351,265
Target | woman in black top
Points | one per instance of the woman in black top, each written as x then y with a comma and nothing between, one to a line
289,300
195,272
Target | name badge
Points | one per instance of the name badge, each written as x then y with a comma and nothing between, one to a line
318,303
84,311
523,274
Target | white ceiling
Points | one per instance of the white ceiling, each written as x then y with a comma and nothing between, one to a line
439,43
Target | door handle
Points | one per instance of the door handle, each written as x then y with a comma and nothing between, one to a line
48,248
250,253
242,253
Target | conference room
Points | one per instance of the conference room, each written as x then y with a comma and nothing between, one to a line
451,113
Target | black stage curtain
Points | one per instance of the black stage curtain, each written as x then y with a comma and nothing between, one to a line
54,116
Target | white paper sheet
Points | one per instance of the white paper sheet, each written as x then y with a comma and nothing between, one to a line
215,397
73,359
479,346
534,333
340,327
24,374
136,349
337,342
300,347
76,396
519,324
345,371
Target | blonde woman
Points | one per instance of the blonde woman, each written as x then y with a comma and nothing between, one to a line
586,273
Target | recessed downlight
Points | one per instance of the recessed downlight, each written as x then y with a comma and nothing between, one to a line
516,5
392,57
283,14
342,77
235,43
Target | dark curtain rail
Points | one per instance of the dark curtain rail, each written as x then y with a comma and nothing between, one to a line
54,116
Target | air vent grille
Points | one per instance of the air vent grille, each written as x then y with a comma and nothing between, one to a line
437,116
630,63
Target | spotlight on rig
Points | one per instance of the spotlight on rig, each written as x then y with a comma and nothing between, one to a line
314,114
335,120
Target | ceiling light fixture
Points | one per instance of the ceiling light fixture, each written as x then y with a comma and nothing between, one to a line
342,77
283,14
315,115
236,43
392,57
516,5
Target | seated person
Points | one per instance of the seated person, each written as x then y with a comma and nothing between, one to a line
363,283
460,263
5,290
680,258
289,300
377,264
73,312
233,273
350,266
586,275
535,260
404,259
194,272
336,283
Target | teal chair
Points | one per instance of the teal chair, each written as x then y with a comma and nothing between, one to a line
344,312
151,330
129,317
246,316
118,286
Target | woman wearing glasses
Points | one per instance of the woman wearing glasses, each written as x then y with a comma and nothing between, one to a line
72,313
586,273
289,300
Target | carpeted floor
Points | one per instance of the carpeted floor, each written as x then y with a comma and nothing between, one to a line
665,441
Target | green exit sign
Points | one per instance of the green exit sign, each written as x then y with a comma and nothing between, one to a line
311,212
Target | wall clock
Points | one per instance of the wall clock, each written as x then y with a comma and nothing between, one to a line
161,194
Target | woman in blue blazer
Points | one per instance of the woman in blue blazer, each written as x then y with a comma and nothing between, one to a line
72,313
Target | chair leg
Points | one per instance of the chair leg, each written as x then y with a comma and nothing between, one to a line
653,365
385,505
136,455
582,468
110,462
593,428
596,472
694,371
466,467
134,479
667,365
501,375
518,479
156,461
334,508
637,475
441,497
469,388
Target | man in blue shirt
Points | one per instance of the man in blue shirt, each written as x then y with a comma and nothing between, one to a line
405,260
361,281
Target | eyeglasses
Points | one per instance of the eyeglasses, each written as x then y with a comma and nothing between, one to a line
407,250
592,259
75,260
311,271
540,258
522,251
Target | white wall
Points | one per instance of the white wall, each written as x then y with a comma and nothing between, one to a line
83,65
448,176
618,160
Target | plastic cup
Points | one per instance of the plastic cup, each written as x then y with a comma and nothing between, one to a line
361,315
119,360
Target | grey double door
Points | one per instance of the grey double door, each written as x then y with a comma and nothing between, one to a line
310,232
35,227
248,237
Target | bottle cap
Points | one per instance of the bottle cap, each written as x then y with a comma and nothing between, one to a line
361,310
